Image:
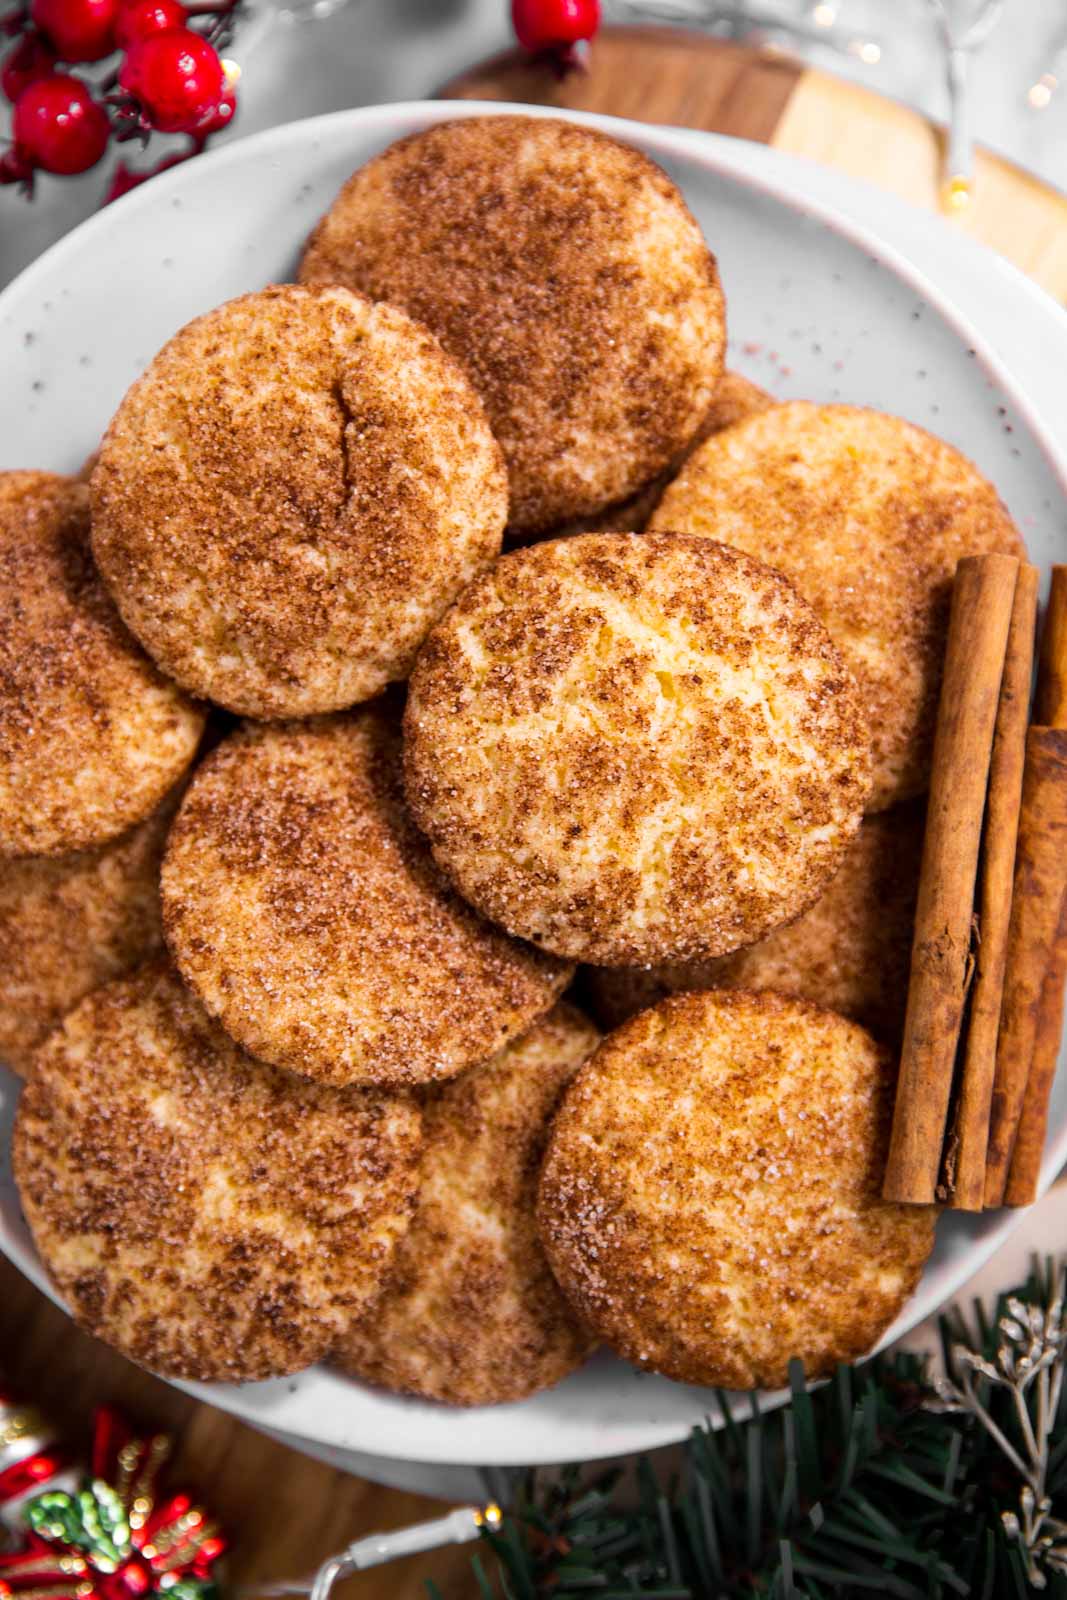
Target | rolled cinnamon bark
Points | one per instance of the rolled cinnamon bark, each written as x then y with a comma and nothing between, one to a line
1050,699
1040,882
1033,1121
1050,711
982,602
966,1177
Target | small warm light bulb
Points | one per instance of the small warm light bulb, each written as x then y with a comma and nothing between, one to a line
1040,93
956,194
824,15
231,71
491,1516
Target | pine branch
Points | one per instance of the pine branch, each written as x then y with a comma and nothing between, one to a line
870,1484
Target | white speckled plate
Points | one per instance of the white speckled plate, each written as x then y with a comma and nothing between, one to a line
818,307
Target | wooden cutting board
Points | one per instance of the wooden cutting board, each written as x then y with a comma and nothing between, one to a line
288,1513
670,75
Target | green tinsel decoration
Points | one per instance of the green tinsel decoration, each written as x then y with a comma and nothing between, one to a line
92,1519
878,1482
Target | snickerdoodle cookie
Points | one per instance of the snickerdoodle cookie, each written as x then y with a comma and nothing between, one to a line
564,270
69,923
868,515
91,735
291,495
207,1215
635,748
735,397
849,953
710,1198
471,1314
304,908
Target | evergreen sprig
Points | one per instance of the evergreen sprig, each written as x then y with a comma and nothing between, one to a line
869,1484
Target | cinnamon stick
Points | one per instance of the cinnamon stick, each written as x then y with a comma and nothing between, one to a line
1050,710
1033,1121
1040,881
982,601
996,873
1050,698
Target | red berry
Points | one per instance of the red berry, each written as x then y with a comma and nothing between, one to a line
177,76
80,30
59,125
139,18
30,59
554,24
220,118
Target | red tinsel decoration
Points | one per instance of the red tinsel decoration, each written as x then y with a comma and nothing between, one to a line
117,1536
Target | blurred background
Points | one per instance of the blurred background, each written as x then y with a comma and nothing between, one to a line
302,57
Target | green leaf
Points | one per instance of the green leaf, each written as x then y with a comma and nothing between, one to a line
885,1582
807,1445
843,1392
898,1473
689,1511
669,1542
706,1510
788,1504
484,1587
753,1485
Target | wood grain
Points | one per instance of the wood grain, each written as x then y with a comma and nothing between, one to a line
664,75
682,78
284,1512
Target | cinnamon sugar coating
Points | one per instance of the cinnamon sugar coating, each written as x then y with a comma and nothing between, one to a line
850,952
735,397
635,748
868,515
92,736
207,1215
565,272
70,923
710,1198
290,497
303,906
471,1314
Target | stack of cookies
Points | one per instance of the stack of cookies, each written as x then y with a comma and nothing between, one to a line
299,962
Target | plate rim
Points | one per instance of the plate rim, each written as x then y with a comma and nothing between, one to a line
396,119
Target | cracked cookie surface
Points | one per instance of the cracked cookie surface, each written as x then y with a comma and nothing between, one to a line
632,747
70,923
92,736
207,1215
710,1200
304,908
291,495
471,1314
735,397
868,515
850,952
564,270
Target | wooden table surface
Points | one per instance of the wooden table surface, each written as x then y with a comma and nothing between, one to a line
670,76
285,1511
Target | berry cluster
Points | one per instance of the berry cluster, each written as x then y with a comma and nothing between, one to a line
170,77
